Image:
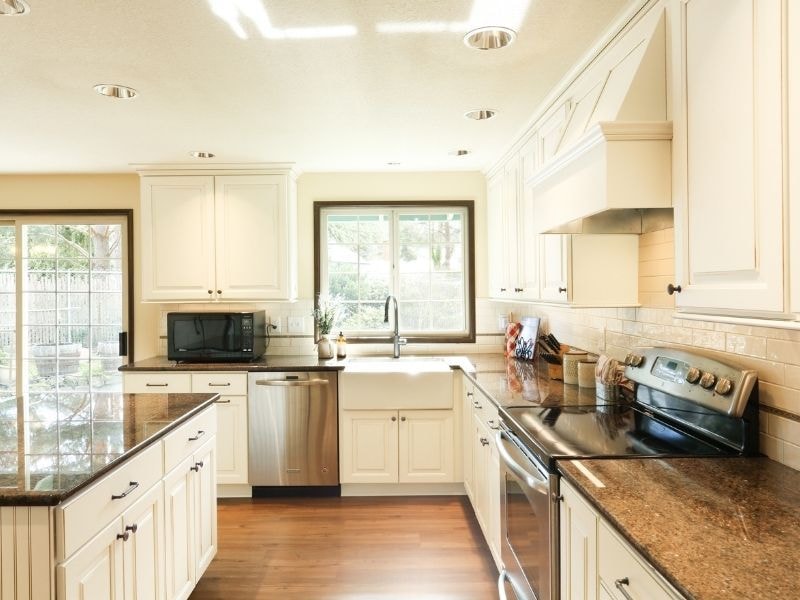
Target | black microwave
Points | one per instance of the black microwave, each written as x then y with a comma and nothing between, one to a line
215,336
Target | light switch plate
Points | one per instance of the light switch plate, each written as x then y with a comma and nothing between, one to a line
295,324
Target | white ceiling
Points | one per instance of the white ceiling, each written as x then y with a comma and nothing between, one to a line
325,103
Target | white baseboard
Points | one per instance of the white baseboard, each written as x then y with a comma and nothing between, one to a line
237,490
403,489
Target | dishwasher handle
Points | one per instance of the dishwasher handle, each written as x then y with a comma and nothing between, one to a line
292,382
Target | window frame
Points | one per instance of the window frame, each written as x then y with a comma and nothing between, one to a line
427,205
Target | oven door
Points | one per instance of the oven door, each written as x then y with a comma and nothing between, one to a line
529,522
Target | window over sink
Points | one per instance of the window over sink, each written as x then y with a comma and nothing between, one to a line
421,253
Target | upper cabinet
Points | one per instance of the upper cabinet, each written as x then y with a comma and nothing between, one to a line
793,70
218,237
729,155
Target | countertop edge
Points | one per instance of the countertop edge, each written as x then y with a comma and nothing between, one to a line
618,527
57,498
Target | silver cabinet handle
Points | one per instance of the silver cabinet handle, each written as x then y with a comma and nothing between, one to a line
156,385
131,486
220,384
200,434
619,583
292,382
223,401
501,588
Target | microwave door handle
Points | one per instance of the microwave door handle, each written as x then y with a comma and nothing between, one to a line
535,481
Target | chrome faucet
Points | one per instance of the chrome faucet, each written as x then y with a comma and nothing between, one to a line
396,339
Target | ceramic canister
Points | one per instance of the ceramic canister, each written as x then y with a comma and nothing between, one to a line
571,360
586,377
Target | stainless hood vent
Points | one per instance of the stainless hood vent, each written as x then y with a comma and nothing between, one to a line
613,163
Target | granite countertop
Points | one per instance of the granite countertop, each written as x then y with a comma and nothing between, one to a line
53,444
265,363
715,528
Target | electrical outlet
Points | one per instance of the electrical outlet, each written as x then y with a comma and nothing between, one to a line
295,324
275,325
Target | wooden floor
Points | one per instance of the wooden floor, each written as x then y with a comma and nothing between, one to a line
420,548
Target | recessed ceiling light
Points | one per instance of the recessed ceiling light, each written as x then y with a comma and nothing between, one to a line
480,114
198,154
490,38
112,90
461,152
13,8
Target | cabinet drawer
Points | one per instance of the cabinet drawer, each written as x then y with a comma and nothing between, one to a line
228,384
158,383
619,562
81,517
189,437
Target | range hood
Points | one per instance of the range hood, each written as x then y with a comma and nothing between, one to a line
612,170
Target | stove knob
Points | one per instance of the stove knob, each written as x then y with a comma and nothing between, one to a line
634,360
723,387
693,375
708,380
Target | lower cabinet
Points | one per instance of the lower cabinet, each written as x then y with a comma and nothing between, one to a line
482,465
161,540
397,446
190,520
597,563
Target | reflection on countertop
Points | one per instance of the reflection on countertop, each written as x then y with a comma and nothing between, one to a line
53,444
733,518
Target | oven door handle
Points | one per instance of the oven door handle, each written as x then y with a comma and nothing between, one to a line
501,588
535,481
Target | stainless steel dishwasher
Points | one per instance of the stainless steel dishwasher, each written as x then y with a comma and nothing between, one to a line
293,429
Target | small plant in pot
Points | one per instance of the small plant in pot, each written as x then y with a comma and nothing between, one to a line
325,315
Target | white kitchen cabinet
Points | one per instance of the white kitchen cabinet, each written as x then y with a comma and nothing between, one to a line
232,451
578,523
590,269
218,237
426,446
96,570
499,285
468,397
596,562
190,520
793,81
728,162
143,551
390,446
368,450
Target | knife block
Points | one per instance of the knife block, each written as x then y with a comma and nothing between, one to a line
557,371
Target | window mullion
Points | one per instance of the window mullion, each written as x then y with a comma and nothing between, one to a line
394,242
19,333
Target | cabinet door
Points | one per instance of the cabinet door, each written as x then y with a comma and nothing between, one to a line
793,71
426,446
368,446
179,526
467,435
144,550
527,240
730,164
498,286
232,439
508,241
205,506
493,500
578,547
252,229
94,571
480,461
177,238
555,265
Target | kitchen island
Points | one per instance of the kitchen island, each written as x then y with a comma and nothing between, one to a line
106,493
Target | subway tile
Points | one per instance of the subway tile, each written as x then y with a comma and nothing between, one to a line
663,250
778,396
654,268
791,455
784,351
745,344
772,447
784,428
793,376
714,340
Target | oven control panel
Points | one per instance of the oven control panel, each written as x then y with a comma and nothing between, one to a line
703,380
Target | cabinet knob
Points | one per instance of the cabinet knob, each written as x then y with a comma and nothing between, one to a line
671,289
484,441
619,584
210,292
219,292
562,290
123,536
394,419
132,528
402,418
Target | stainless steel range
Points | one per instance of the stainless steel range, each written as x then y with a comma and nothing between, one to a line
686,405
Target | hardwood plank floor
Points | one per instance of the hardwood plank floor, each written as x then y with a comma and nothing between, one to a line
420,548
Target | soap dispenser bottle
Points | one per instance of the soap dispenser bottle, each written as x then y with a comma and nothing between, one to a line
341,346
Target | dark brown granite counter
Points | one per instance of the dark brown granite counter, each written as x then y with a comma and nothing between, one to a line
55,444
715,528
265,363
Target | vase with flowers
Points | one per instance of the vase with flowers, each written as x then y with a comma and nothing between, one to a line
325,315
